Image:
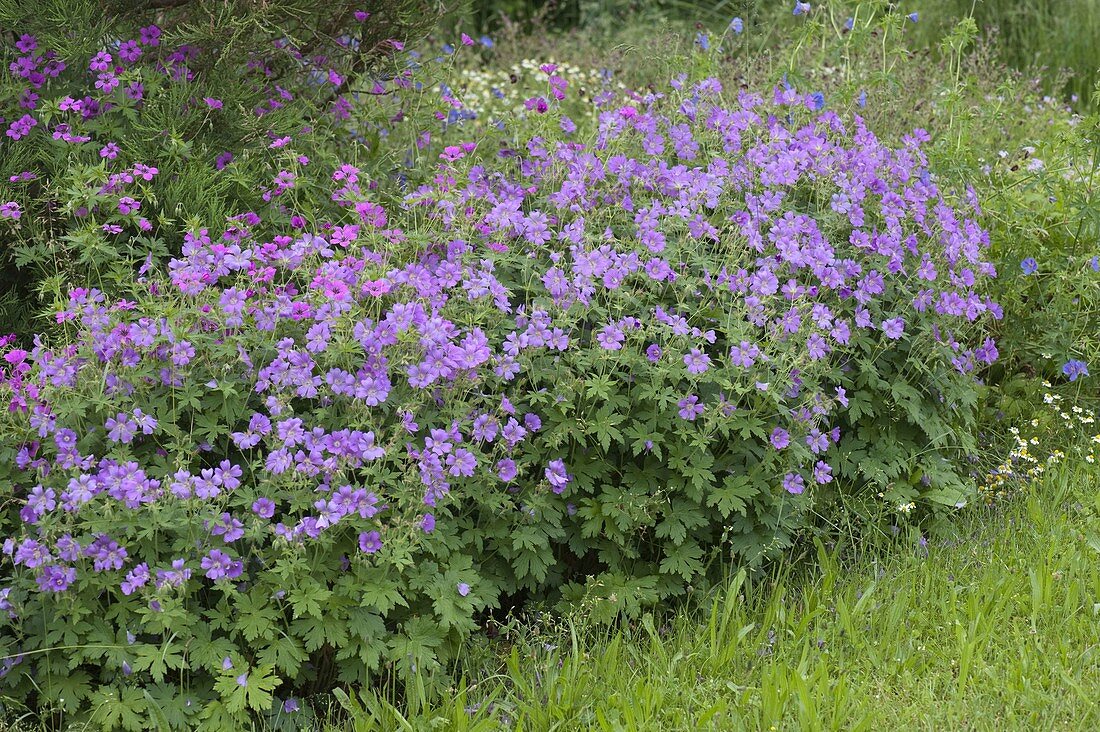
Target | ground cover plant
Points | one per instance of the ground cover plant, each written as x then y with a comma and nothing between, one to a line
439,360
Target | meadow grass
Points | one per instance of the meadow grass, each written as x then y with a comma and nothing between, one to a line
994,627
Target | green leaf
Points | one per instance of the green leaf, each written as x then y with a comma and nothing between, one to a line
256,617
285,653
254,693
683,560
120,707
734,495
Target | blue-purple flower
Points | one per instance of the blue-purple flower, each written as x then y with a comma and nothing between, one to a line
1075,368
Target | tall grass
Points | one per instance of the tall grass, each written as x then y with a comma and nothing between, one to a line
1056,34
1031,35
994,628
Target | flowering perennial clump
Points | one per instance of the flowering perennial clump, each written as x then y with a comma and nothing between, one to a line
318,443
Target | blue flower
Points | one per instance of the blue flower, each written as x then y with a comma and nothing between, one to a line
912,16
1029,266
448,48
801,8
703,41
849,24
818,100
1074,368
1095,264
737,26
486,41
862,100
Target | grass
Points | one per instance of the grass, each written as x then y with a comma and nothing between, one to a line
993,628
1034,34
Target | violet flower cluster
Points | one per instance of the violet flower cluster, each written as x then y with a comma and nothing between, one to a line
485,368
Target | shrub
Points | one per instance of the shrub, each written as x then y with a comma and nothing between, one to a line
324,438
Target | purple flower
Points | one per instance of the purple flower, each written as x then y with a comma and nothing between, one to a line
555,473
227,527
137,577
219,565
121,428
173,577
893,328
56,578
149,35
689,408
780,438
793,483
801,8
816,347
823,472
463,589
611,338
461,463
370,542
737,26
744,355
653,353
427,524
1074,368
41,501
817,441
696,361
263,507
290,705
506,469
1029,266
106,554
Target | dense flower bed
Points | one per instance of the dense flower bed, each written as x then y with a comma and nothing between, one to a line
322,440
